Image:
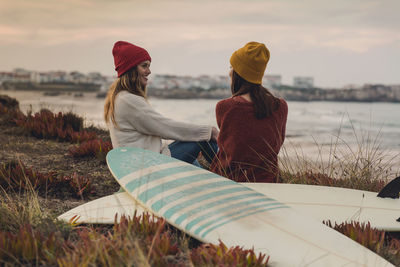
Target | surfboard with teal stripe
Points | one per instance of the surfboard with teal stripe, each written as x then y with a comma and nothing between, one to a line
212,208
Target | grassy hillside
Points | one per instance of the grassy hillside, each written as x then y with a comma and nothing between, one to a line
51,162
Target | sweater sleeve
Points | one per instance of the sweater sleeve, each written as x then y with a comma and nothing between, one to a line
146,120
284,118
219,111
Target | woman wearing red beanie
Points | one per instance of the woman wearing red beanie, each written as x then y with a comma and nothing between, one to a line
133,122
252,122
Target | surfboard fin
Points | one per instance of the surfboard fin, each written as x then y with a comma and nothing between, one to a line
392,189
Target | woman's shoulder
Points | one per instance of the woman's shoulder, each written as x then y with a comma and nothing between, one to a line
224,103
283,103
126,101
129,97
283,106
231,101
126,94
233,107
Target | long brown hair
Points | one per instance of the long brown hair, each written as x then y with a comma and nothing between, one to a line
127,82
265,103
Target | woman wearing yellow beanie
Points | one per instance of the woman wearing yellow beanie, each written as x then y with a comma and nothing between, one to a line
252,122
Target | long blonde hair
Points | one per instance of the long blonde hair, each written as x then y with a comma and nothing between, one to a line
127,82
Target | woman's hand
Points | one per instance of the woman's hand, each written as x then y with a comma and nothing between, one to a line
214,133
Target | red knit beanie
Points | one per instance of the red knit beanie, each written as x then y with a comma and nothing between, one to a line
127,56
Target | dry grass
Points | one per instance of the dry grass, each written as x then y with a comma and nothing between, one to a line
376,240
365,166
31,235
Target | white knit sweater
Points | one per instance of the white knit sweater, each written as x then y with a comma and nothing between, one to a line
139,125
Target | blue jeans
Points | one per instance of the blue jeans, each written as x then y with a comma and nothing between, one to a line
188,151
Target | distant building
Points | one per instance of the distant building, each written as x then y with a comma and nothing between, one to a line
6,77
21,71
96,78
163,81
78,77
21,77
272,81
223,81
59,76
352,86
396,91
303,82
40,77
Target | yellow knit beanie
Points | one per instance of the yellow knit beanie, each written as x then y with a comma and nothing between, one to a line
250,61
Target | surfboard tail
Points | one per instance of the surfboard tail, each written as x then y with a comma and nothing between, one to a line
392,189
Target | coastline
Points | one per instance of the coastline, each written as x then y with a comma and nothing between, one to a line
52,156
311,135
368,93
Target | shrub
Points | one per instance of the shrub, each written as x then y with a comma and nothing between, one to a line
144,241
76,185
138,241
14,176
220,255
17,211
92,148
375,240
9,116
9,102
72,120
62,127
30,247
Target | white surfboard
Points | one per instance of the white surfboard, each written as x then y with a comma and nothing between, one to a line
336,204
212,208
105,210
320,202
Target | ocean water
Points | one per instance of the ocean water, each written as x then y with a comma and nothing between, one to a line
313,128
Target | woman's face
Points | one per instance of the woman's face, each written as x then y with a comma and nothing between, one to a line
143,71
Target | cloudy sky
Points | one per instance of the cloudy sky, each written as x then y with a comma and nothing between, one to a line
337,42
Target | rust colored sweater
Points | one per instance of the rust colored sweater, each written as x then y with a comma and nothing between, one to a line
248,147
